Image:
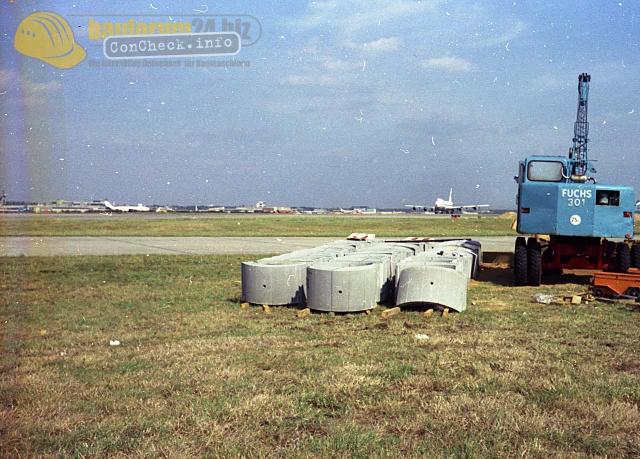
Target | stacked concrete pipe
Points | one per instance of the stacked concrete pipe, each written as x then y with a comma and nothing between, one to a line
460,246
346,283
350,276
343,286
438,276
281,280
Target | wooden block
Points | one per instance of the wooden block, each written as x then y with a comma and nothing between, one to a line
390,312
576,299
445,313
428,313
266,309
244,305
303,313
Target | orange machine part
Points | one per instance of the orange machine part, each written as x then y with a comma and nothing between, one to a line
616,283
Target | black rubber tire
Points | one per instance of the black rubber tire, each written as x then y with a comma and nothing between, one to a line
633,291
520,262
534,265
635,256
623,257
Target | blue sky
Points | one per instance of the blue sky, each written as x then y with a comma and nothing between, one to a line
362,102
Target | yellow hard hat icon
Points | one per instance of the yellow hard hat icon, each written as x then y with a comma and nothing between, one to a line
47,36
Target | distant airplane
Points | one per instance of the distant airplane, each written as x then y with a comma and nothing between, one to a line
358,211
138,208
446,206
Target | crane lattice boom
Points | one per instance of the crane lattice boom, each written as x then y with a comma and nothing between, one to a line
581,127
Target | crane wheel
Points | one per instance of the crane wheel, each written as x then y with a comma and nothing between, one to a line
635,256
520,262
623,257
534,265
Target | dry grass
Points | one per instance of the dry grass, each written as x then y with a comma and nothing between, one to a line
196,375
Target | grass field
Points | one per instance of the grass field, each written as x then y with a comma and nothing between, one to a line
197,375
252,225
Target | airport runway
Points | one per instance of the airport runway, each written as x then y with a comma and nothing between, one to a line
89,245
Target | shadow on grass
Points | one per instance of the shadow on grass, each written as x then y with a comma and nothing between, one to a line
498,275
502,275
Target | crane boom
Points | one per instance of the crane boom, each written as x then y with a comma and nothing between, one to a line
581,128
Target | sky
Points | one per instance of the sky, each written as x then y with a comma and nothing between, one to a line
376,103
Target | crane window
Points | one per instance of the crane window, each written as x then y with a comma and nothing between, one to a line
544,171
608,197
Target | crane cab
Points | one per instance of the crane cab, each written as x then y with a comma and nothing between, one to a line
550,202
577,214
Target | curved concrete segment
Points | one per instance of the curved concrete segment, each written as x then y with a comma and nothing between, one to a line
460,248
432,284
274,284
466,258
384,271
282,279
345,287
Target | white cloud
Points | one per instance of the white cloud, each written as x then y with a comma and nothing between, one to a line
353,15
339,65
35,88
30,92
548,82
382,45
310,80
333,72
7,77
510,31
448,64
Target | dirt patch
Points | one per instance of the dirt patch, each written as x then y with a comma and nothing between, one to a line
629,366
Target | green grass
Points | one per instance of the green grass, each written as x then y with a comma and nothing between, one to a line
253,225
196,375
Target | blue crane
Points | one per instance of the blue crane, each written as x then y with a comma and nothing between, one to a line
567,215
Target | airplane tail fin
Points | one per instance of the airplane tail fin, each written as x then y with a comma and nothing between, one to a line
108,205
450,194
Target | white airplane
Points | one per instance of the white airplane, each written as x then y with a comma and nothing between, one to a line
446,206
138,208
358,211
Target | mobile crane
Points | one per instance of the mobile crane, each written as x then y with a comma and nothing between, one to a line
568,215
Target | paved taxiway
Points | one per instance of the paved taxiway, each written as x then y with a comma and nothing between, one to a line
90,245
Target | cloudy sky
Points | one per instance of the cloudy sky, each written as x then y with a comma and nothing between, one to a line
354,102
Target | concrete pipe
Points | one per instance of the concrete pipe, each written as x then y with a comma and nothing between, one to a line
342,288
432,285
